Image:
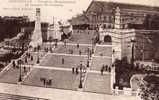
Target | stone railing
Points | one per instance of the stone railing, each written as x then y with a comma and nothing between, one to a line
125,91
5,69
147,65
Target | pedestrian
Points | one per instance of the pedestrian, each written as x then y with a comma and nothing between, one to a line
14,64
31,58
73,70
63,61
50,82
80,67
87,63
92,51
106,67
80,52
29,55
24,69
71,51
44,82
55,44
77,71
103,66
77,45
102,69
38,60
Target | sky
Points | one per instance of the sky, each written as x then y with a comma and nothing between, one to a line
61,11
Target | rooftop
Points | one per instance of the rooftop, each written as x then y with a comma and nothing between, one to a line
101,5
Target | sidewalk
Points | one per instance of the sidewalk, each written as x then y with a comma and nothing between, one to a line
57,94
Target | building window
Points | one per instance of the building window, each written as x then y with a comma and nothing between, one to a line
104,18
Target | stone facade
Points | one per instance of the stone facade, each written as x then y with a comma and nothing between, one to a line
123,23
112,15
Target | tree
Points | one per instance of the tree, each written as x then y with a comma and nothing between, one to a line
123,72
150,88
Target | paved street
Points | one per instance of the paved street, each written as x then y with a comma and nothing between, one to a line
57,94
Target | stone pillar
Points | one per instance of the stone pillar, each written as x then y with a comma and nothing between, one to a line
117,18
112,78
36,38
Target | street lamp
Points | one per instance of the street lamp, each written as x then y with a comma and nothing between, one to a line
20,75
38,48
92,46
132,55
50,41
113,56
88,57
81,67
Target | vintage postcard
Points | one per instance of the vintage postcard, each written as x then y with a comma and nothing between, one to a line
79,50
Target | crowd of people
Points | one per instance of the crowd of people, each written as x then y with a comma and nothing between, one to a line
105,68
45,81
76,70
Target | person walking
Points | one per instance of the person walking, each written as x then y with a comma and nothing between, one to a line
102,69
80,52
14,64
77,71
31,58
106,67
63,61
24,69
73,70
77,45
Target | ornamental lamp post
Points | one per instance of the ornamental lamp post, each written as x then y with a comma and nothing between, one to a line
88,57
20,74
80,66
132,55
38,59
113,56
